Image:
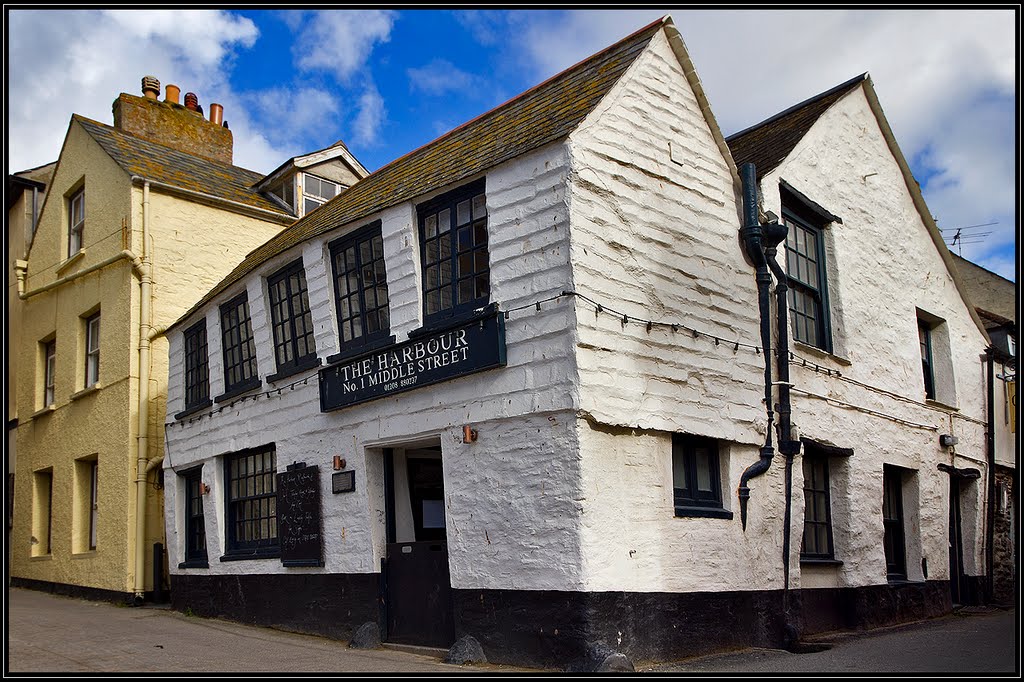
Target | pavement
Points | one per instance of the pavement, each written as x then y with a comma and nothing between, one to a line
970,641
53,634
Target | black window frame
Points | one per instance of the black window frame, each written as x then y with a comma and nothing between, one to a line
820,488
817,293
689,499
195,520
894,529
461,307
238,348
924,337
196,352
368,234
239,507
294,341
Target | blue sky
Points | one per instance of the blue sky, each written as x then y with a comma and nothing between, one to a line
389,81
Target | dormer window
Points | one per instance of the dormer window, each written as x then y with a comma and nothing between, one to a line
285,192
316,192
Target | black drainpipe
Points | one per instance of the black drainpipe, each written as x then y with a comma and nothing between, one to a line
761,243
752,240
990,447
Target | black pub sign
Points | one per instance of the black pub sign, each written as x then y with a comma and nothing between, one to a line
443,355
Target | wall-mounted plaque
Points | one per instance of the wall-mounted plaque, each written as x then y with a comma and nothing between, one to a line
343,482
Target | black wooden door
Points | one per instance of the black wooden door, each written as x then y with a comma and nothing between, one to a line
419,594
956,548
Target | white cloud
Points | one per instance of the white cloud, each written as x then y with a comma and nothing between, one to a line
288,115
946,80
341,41
371,116
440,76
77,61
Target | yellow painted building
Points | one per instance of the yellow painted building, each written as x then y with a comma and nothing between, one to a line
140,220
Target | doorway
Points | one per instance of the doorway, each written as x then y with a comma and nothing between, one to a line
417,594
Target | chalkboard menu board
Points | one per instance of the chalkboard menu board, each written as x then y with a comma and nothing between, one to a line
298,517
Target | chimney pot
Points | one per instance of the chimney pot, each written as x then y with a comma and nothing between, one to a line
191,101
150,87
173,94
216,113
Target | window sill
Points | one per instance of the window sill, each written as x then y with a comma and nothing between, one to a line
820,353
703,512
238,390
941,405
49,409
815,561
292,370
63,267
87,391
902,582
87,554
362,349
195,563
457,320
192,410
41,557
267,553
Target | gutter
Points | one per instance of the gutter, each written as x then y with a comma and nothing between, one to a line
210,199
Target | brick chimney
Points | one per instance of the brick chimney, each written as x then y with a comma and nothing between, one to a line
171,124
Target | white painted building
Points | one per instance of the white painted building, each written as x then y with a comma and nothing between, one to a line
511,383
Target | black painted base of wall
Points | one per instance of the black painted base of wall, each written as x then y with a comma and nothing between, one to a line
330,605
553,628
78,591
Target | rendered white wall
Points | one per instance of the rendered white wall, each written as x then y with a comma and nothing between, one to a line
511,495
882,266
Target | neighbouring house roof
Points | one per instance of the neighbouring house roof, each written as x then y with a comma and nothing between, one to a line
994,296
172,167
539,116
769,142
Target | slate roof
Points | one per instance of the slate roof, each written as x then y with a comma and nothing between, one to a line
163,164
539,116
769,142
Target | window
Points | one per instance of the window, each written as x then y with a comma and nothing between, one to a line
239,349
294,347
285,191
924,336
316,192
92,350
361,287
197,361
892,520
453,252
252,502
195,522
42,513
817,541
94,486
49,366
76,222
806,279
696,481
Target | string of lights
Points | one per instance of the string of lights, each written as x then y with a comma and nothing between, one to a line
625,318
